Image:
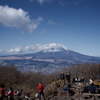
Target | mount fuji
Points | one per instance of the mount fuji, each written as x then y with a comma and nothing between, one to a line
45,58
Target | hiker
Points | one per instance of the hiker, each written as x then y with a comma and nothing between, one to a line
40,89
62,77
27,96
18,94
73,80
68,77
10,94
90,81
2,92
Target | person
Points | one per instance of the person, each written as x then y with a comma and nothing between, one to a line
10,94
40,90
27,96
62,77
18,94
73,80
2,92
90,81
68,77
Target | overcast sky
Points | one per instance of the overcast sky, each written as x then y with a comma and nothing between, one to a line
73,23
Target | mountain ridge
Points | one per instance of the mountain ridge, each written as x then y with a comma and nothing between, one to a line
49,59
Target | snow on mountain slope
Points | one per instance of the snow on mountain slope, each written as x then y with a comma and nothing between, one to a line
51,47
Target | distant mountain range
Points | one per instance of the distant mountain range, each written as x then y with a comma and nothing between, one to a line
46,58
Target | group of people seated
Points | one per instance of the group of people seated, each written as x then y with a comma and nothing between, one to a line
18,94
9,93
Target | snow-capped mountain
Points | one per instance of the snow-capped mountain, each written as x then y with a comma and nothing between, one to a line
48,57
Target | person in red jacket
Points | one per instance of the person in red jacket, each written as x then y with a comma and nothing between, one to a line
2,92
40,89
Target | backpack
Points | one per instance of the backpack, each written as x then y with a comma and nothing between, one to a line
37,95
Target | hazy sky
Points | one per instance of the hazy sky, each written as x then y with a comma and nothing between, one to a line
74,23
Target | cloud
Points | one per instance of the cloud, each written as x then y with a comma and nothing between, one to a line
63,3
35,48
52,22
15,50
17,18
40,1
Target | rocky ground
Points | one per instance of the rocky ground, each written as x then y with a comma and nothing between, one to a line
58,93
